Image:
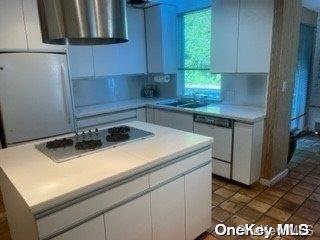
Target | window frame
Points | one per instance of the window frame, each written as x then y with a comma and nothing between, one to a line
181,51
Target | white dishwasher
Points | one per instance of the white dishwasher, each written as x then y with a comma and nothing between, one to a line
221,129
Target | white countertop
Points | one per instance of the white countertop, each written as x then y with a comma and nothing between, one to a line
236,112
88,111
43,183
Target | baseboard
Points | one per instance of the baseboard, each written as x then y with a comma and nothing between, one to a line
275,179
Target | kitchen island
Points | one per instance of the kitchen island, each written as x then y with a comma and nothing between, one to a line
155,188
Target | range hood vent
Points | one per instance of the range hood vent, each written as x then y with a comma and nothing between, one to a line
83,22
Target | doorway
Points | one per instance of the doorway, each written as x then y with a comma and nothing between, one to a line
302,78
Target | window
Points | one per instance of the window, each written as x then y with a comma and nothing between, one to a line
195,55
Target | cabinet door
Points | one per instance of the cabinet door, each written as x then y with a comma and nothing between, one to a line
242,153
12,34
225,24
80,61
180,121
255,35
132,55
33,29
93,229
142,114
168,211
169,37
161,30
131,221
124,58
150,115
222,139
154,39
198,201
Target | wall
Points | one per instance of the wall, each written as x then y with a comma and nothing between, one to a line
283,62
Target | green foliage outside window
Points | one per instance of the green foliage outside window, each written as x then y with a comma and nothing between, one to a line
196,41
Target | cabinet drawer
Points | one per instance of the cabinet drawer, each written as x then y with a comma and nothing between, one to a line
222,169
94,229
175,169
59,220
107,118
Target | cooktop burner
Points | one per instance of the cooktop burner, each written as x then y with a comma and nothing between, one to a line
62,143
118,134
119,130
88,144
84,143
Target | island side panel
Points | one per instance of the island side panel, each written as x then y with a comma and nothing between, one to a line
22,223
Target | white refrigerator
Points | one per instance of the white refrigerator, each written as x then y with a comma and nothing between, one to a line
35,96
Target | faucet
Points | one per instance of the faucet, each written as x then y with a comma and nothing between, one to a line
196,98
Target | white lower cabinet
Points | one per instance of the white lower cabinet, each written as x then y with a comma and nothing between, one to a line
131,221
247,152
93,229
198,202
161,205
142,114
168,211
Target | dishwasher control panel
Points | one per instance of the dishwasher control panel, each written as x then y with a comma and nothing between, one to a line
216,121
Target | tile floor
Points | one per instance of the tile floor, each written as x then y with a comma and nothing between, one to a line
296,199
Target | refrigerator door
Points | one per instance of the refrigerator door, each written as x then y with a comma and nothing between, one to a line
35,96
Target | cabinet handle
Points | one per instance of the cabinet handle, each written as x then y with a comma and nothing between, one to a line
65,98
1,68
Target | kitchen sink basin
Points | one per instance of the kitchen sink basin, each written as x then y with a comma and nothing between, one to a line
184,104
193,105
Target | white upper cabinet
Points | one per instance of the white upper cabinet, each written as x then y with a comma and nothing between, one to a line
80,61
20,27
161,29
241,36
255,35
33,29
224,36
12,34
124,58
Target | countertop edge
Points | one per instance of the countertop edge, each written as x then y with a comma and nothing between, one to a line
176,109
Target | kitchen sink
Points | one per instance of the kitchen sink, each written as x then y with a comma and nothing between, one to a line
184,104
193,105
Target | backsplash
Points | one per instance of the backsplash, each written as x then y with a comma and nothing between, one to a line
237,89
93,91
244,89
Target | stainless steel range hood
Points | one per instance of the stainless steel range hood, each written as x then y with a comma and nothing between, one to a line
83,21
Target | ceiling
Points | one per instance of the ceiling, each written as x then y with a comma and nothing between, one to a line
312,4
